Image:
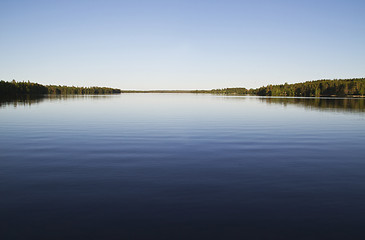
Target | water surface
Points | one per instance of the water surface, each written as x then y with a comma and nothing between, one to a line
182,166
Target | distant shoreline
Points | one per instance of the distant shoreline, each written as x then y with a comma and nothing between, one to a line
352,88
14,88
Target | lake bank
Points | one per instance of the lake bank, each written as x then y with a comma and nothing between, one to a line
352,88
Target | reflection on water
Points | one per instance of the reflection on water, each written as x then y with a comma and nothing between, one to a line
322,104
20,100
181,166
27,100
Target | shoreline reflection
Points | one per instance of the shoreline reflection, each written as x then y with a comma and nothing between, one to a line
28,100
321,104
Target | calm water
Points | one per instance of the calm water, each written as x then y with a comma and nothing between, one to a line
182,166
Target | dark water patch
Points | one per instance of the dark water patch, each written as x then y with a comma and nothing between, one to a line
321,103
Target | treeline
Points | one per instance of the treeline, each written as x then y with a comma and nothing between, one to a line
21,88
320,88
166,91
230,91
14,88
53,89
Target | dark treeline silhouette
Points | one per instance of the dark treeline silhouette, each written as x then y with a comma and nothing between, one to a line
339,87
14,88
53,89
21,88
166,91
320,88
230,91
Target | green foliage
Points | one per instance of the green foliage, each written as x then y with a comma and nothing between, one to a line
28,88
338,87
230,91
53,89
21,88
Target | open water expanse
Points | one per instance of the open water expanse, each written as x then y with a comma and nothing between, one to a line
182,166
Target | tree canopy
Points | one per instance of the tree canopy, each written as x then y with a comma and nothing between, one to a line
319,88
15,88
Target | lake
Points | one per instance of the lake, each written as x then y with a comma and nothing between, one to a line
182,166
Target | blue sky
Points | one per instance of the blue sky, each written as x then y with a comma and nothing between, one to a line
181,44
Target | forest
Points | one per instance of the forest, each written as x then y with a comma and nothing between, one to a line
15,88
320,88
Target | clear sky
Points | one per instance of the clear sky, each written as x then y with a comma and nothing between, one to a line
190,44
